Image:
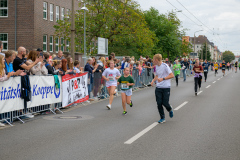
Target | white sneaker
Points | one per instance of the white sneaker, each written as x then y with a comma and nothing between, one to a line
29,115
87,101
108,106
116,92
2,125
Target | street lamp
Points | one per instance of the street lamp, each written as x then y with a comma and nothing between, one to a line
85,9
194,41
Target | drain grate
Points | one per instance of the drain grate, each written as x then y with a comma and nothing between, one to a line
68,117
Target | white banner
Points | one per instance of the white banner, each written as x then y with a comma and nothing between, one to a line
43,92
102,46
74,88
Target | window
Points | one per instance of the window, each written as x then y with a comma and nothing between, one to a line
57,44
57,13
62,44
67,48
3,8
62,14
45,10
51,12
51,44
4,39
44,43
68,13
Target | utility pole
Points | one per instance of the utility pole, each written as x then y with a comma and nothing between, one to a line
73,33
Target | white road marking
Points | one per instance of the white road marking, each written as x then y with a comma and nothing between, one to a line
199,92
208,86
184,103
218,78
134,138
214,82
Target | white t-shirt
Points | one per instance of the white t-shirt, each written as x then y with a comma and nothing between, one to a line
111,74
76,69
163,71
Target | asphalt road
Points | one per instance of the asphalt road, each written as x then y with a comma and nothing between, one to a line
205,128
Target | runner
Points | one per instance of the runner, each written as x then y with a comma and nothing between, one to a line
162,92
236,65
223,67
176,68
232,66
228,65
111,75
216,68
198,76
205,69
126,82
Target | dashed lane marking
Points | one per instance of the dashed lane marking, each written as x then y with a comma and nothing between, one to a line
214,82
199,92
208,86
184,103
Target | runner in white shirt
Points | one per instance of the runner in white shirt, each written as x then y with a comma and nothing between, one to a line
111,75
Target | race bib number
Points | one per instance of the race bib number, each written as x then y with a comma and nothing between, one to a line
124,86
205,70
111,78
223,67
177,69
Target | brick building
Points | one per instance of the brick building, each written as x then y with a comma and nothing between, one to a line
29,23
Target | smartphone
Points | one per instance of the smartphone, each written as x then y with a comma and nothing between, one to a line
41,54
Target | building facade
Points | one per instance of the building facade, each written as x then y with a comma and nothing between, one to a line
200,41
29,23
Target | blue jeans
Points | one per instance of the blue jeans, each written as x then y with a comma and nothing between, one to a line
184,74
89,89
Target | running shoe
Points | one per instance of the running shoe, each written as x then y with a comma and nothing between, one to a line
171,114
108,107
195,93
131,104
124,112
162,120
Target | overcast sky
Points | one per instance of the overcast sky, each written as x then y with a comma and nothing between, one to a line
221,19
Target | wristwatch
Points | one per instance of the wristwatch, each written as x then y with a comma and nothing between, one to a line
163,78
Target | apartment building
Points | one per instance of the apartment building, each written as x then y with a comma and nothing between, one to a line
29,23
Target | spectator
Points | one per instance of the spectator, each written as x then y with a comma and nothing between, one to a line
76,67
123,60
1,48
88,68
57,65
21,63
59,56
126,63
113,55
3,76
8,61
53,56
70,63
39,51
39,68
47,65
27,53
139,68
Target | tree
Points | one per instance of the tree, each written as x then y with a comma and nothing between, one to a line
228,56
166,27
122,23
203,51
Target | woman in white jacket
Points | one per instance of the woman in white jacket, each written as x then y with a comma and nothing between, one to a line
39,68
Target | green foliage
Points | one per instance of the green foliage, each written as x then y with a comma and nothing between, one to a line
122,23
203,51
228,56
166,28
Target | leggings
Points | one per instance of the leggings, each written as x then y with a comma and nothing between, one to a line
176,77
197,82
205,75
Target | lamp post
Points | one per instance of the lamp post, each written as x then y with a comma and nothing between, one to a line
194,41
85,9
73,32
